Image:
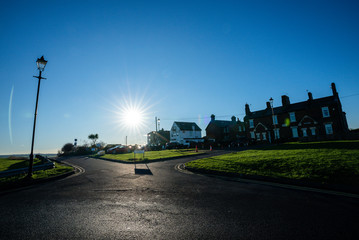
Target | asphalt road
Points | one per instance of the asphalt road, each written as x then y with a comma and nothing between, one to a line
110,201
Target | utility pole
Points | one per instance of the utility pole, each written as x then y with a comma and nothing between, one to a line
156,123
155,136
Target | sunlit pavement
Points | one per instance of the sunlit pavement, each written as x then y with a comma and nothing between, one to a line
110,201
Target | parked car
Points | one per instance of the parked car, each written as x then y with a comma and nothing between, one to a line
118,149
175,145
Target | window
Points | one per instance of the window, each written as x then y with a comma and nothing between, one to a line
258,136
304,131
226,130
275,119
252,134
325,112
240,128
295,132
328,128
292,117
312,131
276,133
251,123
264,136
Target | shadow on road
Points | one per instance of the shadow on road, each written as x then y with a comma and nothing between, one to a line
143,171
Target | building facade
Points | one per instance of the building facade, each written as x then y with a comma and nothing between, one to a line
185,133
310,120
226,132
159,138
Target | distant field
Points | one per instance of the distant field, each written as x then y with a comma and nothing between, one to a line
325,162
151,155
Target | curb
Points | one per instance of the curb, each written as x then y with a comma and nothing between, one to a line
339,190
148,161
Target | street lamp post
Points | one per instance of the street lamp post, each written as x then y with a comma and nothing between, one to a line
41,63
271,104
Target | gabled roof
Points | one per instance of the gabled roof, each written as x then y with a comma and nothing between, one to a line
187,126
319,102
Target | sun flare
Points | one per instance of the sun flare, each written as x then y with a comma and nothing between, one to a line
132,117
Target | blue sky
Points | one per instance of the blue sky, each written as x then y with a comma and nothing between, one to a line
177,60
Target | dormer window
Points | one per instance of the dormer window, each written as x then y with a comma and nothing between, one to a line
325,112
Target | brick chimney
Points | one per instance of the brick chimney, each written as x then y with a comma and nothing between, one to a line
268,105
310,96
334,90
248,111
285,100
213,117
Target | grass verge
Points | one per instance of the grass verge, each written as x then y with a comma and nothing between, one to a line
37,175
15,163
334,162
150,155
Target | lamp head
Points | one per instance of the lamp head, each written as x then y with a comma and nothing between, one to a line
41,63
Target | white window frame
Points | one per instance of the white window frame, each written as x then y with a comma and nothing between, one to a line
328,128
295,132
258,136
251,123
275,119
292,117
312,130
264,136
252,134
276,133
325,112
304,132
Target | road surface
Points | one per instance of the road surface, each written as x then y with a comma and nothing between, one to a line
110,201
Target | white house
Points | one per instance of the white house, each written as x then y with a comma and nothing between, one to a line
185,132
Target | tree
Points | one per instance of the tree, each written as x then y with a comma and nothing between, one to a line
94,138
67,148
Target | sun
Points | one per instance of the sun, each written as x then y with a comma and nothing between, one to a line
132,117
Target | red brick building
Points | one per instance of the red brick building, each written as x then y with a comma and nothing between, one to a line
313,119
226,132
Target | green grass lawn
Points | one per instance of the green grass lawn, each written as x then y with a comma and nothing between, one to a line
8,164
151,155
325,162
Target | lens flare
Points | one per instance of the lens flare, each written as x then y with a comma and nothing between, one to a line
10,110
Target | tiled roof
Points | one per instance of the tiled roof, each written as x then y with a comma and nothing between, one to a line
224,123
292,107
187,126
